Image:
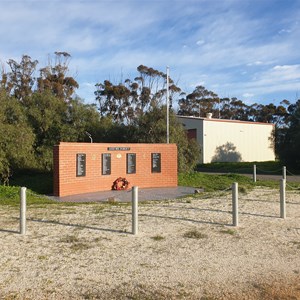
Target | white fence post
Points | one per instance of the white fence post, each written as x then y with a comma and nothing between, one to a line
235,206
282,199
254,173
23,210
284,172
134,205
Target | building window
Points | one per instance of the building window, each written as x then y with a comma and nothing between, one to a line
106,164
192,134
80,164
131,163
155,162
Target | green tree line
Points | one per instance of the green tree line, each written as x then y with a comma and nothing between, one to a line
39,108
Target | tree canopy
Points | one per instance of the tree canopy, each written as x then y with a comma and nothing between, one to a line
289,148
39,108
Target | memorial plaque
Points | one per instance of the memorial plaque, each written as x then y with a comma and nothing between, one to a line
131,163
80,164
118,148
156,162
106,164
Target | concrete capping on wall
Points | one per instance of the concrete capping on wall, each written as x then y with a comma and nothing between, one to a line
79,167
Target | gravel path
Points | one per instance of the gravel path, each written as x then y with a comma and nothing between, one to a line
289,178
185,249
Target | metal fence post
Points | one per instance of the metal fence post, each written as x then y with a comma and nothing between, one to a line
134,204
254,173
235,207
23,210
284,172
282,199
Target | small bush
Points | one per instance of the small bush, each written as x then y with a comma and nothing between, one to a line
194,234
69,239
228,231
157,238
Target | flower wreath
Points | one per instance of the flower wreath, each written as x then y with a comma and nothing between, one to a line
120,183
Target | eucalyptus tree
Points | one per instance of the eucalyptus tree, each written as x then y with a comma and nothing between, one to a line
54,77
152,129
239,110
198,103
53,120
20,81
152,83
127,101
115,101
137,108
225,111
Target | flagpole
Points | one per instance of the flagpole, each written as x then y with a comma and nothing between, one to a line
168,134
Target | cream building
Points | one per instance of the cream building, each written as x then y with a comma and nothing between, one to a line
230,140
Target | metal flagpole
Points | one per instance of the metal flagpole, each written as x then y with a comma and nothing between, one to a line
168,134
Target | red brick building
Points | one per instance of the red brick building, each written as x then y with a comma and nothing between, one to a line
91,167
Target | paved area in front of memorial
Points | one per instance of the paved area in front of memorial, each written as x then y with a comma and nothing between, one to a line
144,194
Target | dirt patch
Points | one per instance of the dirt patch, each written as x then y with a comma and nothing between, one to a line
185,249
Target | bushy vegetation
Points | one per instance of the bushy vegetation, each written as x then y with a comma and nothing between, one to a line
38,111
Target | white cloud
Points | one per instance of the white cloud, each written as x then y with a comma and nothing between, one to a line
233,47
256,63
280,75
200,42
248,95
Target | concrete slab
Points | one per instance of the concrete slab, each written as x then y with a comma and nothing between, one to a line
145,194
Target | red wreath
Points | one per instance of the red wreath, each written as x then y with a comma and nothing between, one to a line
120,183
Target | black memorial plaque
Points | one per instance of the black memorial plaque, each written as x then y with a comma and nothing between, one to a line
106,164
156,162
80,164
118,148
131,163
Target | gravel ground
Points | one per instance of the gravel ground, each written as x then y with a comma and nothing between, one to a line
185,249
289,177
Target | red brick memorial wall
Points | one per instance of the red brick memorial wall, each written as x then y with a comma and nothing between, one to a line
91,167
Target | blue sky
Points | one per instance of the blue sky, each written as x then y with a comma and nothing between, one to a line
247,49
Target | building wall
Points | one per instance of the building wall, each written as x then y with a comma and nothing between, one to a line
70,178
194,123
237,141
230,140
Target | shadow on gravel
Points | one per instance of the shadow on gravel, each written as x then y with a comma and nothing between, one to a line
77,225
9,231
185,219
260,215
177,218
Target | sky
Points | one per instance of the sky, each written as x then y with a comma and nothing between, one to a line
249,49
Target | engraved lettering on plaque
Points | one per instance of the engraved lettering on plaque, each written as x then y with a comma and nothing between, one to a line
156,162
80,164
106,164
131,163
